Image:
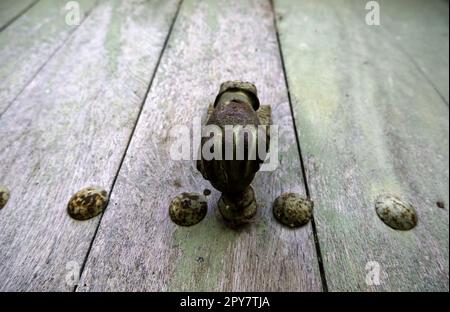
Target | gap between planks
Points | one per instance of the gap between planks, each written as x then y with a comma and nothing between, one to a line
19,14
131,134
420,70
395,166
57,49
299,149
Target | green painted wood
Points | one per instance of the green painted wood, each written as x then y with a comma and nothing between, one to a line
368,122
28,43
12,9
68,130
137,246
420,29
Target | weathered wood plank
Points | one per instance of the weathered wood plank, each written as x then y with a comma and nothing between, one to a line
368,122
420,28
137,246
68,130
12,9
28,44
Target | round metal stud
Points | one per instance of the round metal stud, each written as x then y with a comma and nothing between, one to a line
188,209
87,203
395,212
4,196
292,210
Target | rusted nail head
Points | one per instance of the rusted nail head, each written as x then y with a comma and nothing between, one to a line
4,196
188,209
395,212
87,203
292,210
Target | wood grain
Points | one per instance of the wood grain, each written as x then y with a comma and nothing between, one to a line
69,129
369,122
420,30
12,9
28,44
137,246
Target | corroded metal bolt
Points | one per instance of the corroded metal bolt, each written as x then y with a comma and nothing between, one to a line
4,196
188,209
292,210
395,212
87,203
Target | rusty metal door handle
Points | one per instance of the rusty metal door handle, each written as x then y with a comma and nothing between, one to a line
236,109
